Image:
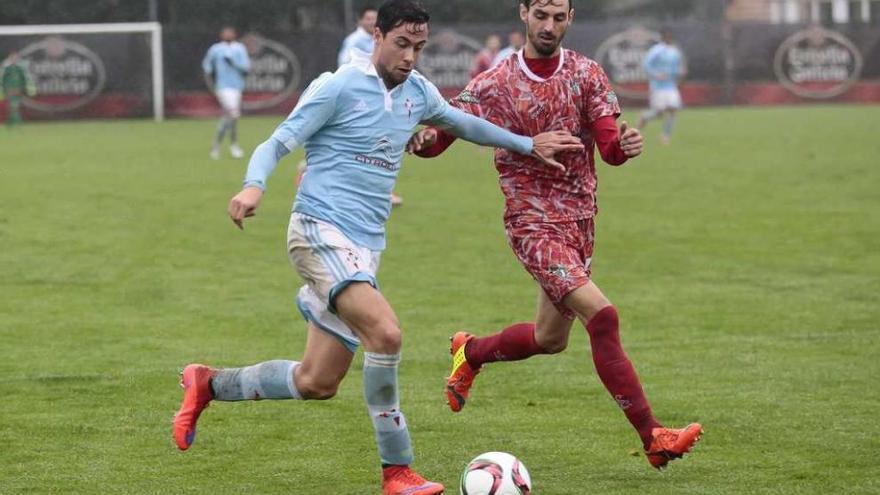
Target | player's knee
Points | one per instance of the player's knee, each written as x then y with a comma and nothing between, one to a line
553,344
387,337
380,333
605,323
316,388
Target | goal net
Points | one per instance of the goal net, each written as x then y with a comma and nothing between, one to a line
89,70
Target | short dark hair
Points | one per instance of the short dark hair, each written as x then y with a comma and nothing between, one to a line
394,13
363,11
528,3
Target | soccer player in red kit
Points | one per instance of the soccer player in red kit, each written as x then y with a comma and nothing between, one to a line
549,214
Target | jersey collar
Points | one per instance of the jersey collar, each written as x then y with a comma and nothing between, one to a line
364,62
531,75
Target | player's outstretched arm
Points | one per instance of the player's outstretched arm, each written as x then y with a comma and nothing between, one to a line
476,130
263,162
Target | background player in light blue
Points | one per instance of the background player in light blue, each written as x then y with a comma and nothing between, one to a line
665,66
226,66
361,38
355,125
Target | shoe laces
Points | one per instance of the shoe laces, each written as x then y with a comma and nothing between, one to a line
665,439
408,476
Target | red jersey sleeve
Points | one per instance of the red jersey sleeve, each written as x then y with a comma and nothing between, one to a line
607,137
601,101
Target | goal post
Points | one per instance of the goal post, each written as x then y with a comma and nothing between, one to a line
74,82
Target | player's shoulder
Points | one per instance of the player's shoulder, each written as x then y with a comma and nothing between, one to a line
333,82
578,60
421,82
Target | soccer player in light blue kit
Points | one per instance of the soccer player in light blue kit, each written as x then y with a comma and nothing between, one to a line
360,39
355,125
226,66
665,66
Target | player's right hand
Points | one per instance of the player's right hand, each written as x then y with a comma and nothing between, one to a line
548,144
421,140
244,204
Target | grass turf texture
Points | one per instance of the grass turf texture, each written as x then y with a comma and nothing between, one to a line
744,260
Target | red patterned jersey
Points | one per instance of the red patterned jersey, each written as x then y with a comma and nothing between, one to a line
571,99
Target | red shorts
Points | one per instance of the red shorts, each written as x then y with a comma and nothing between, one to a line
558,255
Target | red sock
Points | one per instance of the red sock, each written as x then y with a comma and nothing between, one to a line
514,343
617,372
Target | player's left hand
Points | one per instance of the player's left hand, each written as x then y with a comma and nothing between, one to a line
630,140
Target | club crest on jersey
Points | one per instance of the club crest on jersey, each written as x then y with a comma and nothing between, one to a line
409,107
611,97
559,270
467,97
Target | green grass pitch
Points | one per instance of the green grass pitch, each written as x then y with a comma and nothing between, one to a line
744,260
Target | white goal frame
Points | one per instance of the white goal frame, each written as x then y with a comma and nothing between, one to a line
154,29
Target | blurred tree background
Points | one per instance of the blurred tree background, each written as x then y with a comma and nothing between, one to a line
305,15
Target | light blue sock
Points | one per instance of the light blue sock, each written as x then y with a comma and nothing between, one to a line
222,126
268,380
668,124
383,403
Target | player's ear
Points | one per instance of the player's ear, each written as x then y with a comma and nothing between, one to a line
523,13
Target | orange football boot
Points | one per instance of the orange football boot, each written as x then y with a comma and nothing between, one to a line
669,444
401,480
459,383
196,382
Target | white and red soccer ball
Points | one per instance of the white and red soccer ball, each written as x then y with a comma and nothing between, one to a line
495,473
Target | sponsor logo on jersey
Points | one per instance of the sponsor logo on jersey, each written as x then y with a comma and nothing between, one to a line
384,148
447,59
559,270
67,75
361,106
818,63
408,104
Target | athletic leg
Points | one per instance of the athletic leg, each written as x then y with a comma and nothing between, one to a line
668,124
324,364
368,314
612,364
619,376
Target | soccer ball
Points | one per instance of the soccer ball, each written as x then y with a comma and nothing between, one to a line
495,473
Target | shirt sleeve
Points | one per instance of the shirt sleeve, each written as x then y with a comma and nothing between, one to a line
650,64
607,136
242,61
263,162
315,108
344,52
208,61
601,98
482,132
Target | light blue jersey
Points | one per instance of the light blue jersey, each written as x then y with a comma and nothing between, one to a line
355,131
228,63
358,40
664,64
